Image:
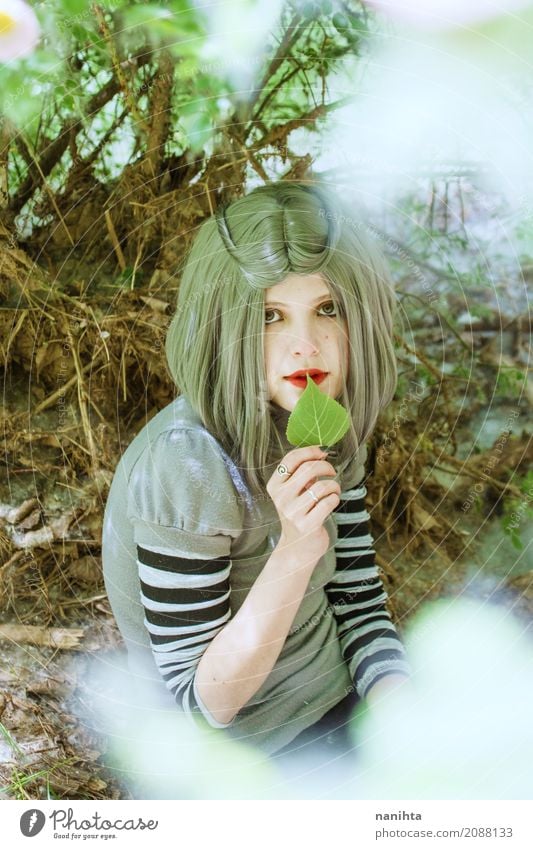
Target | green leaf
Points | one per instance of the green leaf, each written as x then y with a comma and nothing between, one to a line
340,22
74,7
26,112
516,541
316,419
149,15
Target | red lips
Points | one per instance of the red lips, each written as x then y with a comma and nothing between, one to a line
299,378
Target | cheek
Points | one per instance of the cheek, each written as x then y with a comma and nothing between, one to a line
269,349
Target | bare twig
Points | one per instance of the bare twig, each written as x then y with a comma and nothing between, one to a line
114,239
63,389
442,317
438,272
5,138
281,82
463,469
119,70
252,159
51,196
14,515
82,400
56,638
160,103
295,28
42,537
280,133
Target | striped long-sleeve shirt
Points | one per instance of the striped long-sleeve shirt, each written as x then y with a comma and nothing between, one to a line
369,641
187,603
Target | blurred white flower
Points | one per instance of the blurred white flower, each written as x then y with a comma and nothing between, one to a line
464,729
154,747
19,30
443,14
424,102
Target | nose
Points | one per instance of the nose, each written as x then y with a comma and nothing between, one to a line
304,342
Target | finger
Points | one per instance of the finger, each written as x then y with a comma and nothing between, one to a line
309,472
323,489
320,510
294,459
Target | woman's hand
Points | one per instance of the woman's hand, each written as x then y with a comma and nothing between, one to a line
302,518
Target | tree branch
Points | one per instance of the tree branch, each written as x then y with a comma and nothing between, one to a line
294,29
280,133
282,81
160,103
5,139
51,155
119,70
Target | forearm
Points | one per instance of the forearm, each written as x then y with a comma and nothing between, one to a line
242,655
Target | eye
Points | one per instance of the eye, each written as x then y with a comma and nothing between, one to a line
327,305
267,313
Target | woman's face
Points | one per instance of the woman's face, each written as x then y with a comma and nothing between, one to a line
303,330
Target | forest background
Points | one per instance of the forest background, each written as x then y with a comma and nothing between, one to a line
121,129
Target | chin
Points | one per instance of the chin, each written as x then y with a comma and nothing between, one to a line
288,405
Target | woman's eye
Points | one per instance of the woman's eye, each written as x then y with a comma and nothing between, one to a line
329,305
267,313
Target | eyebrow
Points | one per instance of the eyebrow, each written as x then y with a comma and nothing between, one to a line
325,296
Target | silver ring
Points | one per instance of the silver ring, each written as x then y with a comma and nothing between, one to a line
313,494
283,471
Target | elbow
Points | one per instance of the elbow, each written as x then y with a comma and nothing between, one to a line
223,717
216,714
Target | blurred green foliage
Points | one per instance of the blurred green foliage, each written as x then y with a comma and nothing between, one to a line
518,512
81,47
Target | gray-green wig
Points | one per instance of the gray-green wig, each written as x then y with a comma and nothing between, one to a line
215,343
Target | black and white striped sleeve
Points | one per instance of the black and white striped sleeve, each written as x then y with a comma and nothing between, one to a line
369,641
186,603
185,515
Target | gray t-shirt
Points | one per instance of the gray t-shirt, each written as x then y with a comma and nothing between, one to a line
178,498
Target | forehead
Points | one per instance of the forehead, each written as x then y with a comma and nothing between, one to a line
301,288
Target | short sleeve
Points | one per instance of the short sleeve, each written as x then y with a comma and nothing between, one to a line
182,481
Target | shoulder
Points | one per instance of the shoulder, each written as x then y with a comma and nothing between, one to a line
182,479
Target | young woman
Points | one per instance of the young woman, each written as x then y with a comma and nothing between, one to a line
240,569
